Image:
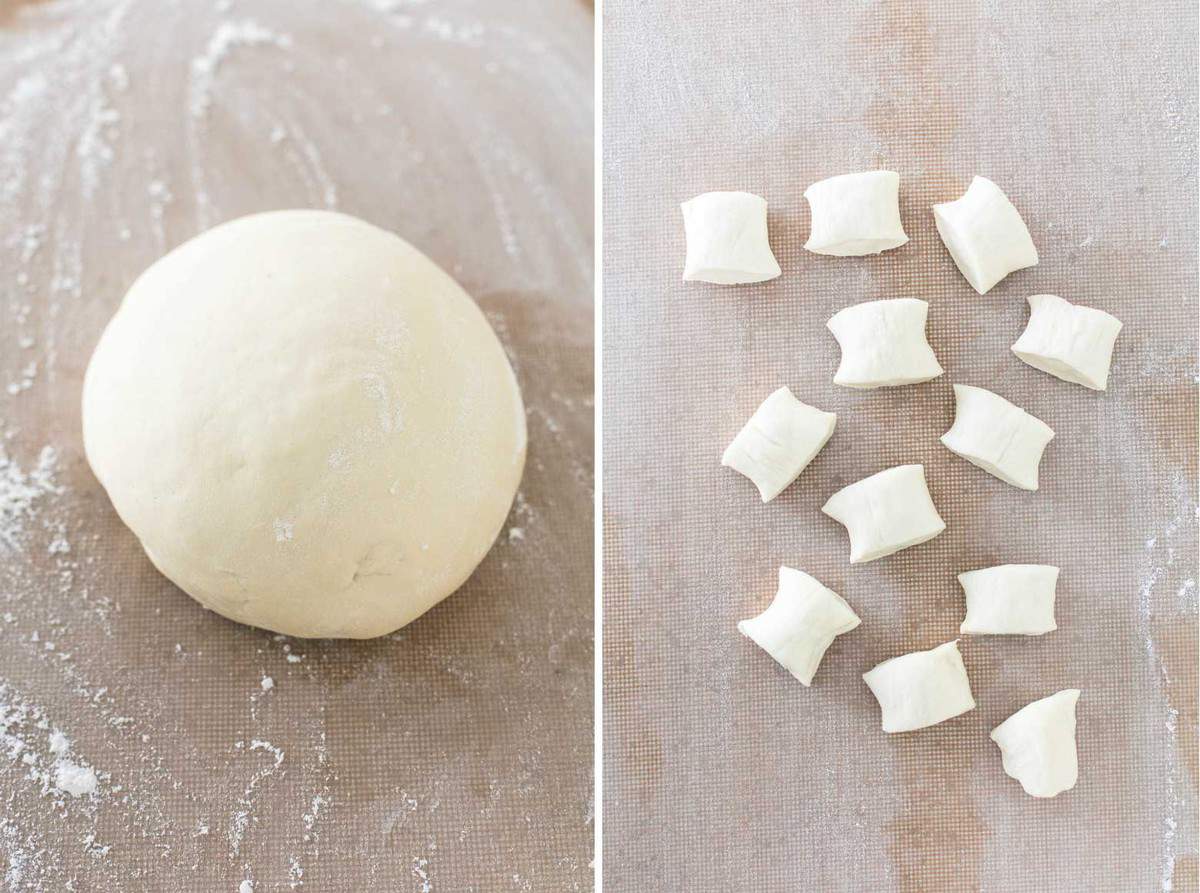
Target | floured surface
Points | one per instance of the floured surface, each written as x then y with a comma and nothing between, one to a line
722,771
146,743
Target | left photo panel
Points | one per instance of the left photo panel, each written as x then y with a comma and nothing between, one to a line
296,445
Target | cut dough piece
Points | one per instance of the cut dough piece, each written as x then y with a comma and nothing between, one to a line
1001,438
985,235
1037,744
886,512
778,442
1010,599
727,239
1070,342
855,214
883,344
800,624
921,689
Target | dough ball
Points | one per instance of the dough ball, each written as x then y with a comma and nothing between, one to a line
310,426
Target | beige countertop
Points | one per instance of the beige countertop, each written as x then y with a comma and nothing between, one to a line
453,755
722,772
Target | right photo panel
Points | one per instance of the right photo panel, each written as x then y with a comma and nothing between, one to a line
899,442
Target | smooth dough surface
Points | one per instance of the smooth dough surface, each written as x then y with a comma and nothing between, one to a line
310,426
883,344
1070,342
985,235
997,436
886,512
921,688
1010,599
855,214
727,239
778,442
1037,744
800,623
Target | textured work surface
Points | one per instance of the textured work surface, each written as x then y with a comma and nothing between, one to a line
454,755
721,771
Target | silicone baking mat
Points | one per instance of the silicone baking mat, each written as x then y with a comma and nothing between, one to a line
721,771
453,755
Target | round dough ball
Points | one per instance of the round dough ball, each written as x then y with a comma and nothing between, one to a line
310,426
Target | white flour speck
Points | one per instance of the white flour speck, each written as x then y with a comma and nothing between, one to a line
78,781
118,76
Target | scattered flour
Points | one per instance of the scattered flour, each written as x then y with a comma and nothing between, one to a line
21,491
310,818
1160,561
227,37
22,726
240,822
25,379
420,871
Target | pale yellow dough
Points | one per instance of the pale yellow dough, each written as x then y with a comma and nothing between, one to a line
310,426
